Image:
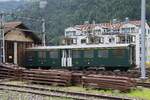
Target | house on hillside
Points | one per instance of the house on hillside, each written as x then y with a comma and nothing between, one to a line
18,37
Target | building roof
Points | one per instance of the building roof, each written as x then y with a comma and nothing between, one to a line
106,25
11,25
79,46
19,26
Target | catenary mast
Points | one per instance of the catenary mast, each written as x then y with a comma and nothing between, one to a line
2,40
142,39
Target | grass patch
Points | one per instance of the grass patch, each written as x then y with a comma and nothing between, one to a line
140,93
143,93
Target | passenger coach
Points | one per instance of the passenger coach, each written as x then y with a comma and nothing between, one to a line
109,57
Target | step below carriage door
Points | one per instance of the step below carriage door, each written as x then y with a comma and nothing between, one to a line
66,60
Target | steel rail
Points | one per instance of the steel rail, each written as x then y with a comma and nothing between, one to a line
147,85
57,93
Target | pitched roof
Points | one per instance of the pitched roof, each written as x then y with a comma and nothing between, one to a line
11,25
21,27
106,25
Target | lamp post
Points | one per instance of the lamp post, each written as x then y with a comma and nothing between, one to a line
143,18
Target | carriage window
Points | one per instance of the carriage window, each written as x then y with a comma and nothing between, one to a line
53,54
118,53
103,53
88,53
42,54
30,54
76,54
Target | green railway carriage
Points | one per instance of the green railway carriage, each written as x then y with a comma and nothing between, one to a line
109,57
44,59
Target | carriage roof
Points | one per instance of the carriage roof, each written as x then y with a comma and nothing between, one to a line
79,46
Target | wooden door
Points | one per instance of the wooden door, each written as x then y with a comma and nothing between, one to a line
9,51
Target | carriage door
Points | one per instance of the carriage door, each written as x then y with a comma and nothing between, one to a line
10,52
63,58
69,58
66,60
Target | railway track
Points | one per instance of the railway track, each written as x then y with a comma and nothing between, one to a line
57,93
147,85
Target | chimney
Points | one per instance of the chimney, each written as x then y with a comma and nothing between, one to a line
93,22
114,21
86,22
127,20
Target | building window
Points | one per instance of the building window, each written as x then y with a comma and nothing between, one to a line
115,30
67,33
71,33
133,29
88,53
53,54
83,41
125,30
148,31
101,40
128,30
74,41
103,53
76,54
140,50
111,39
42,54
140,58
98,32
133,38
105,30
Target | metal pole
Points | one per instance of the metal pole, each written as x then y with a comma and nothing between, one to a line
43,31
3,37
143,17
3,41
126,37
42,5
